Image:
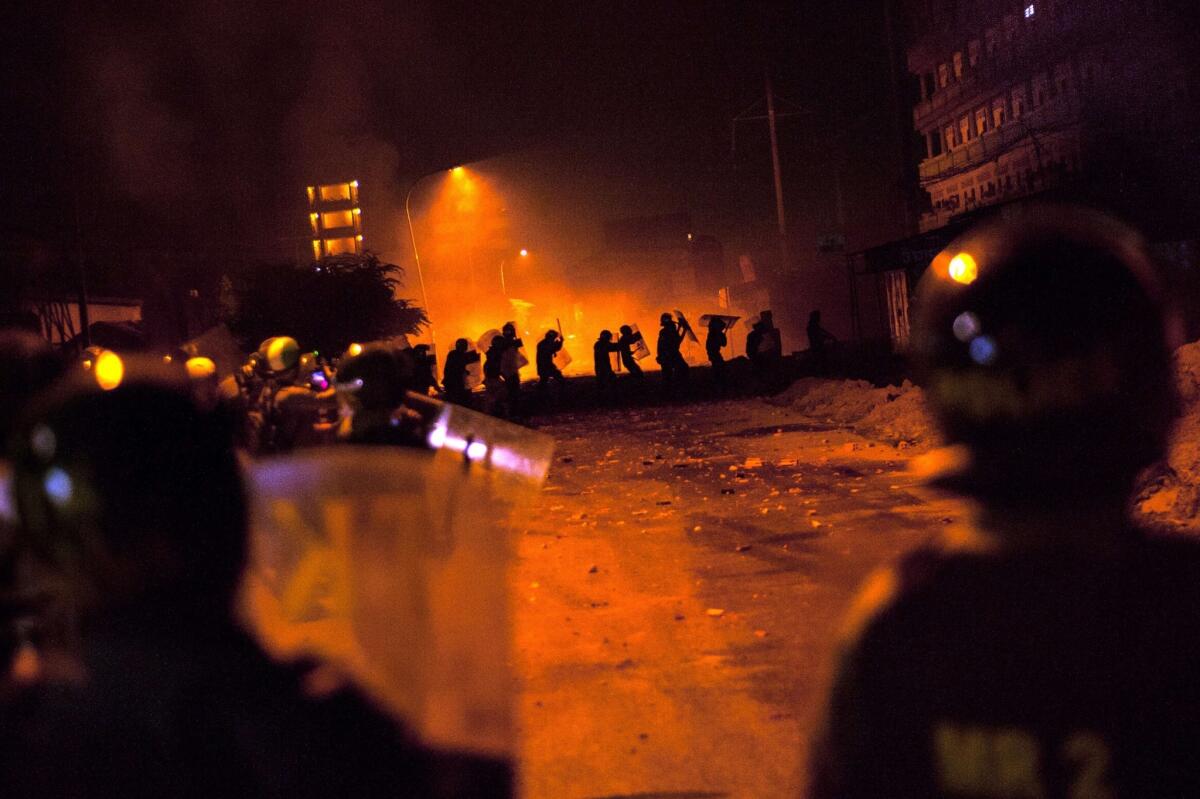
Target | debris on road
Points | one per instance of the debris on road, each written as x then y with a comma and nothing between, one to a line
715,612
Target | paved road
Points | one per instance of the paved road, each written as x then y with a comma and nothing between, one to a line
678,591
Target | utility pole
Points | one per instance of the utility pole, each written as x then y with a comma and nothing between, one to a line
771,117
779,212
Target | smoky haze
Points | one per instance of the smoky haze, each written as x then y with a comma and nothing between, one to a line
196,126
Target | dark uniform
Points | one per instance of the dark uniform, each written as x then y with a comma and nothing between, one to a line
713,344
424,368
1051,649
168,697
547,370
818,337
454,377
1038,673
674,367
601,350
627,342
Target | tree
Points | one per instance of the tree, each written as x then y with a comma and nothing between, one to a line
324,305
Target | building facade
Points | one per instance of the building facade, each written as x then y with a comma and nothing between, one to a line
1088,100
1019,97
335,219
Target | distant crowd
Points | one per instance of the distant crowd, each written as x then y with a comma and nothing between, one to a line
288,398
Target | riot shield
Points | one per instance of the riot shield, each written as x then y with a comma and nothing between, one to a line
640,348
391,564
686,327
485,341
729,321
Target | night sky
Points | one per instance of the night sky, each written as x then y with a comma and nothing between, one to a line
197,124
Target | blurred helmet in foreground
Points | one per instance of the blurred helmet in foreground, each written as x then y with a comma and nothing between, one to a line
377,378
131,492
1045,346
279,353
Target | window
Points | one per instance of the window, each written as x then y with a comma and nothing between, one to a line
958,66
1018,102
335,192
964,130
1010,27
1041,93
1030,11
943,76
981,118
989,42
336,219
997,112
973,52
948,136
342,245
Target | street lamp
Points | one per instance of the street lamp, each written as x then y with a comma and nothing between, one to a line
458,170
524,253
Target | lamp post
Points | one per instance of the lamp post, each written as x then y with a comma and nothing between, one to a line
524,253
417,256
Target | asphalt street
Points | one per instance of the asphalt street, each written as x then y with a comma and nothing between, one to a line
678,591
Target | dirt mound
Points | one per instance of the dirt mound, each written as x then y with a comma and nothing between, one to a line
892,413
1169,495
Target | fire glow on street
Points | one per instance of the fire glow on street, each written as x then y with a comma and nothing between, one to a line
679,589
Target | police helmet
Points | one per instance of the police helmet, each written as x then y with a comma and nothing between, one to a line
128,489
279,353
1044,343
377,378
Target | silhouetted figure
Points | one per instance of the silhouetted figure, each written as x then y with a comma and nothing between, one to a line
454,376
713,344
627,342
547,370
371,387
424,370
1047,646
601,355
493,379
764,348
143,530
510,368
818,337
674,367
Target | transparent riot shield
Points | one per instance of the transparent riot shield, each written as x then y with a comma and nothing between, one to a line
391,563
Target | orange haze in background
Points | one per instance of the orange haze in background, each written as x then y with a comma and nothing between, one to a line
478,278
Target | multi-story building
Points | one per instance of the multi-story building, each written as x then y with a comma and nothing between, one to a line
335,219
1002,90
1072,99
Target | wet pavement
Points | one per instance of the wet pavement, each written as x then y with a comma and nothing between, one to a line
678,591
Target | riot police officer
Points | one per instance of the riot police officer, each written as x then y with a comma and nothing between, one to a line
1049,648
132,509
